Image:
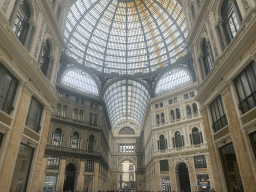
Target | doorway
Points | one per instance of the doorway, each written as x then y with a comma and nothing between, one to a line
70,176
184,178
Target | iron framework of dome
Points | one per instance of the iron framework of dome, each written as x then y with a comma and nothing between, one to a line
123,47
125,36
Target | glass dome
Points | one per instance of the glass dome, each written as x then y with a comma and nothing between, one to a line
172,80
126,100
125,36
80,80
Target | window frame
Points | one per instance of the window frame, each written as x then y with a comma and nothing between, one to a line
200,165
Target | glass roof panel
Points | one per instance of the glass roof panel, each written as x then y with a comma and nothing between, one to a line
126,100
80,80
125,36
173,79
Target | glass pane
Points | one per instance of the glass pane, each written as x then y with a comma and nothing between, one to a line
245,84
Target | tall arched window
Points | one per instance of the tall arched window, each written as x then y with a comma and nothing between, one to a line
172,115
75,140
44,59
193,11
196,137
195,110
58,12
91,143
178,140
162,143
20,20
64,111
81,115
75,116
162,118
157,119
207,56
231,17
58,109
188,109
178,113
57,137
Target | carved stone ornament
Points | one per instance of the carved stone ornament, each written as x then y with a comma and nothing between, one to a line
6,5
180,160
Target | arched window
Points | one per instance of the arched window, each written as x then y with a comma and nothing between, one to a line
75,140
58,12
64,111
172,115
207,57
95,120
91,143
196,137
75,116
44,59
195,110
162,118
231,17
81,115
58,109
157,119
178,113
20,20
193,11
162,143
188,109
57,137
178,140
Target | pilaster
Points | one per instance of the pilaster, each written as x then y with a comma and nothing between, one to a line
61,176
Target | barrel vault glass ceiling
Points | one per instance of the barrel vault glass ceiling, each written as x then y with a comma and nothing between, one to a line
125,37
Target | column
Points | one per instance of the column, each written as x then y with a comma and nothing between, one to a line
191,171
80,180
244,164
201,58
157,176
210,170
61,176
219,36
37,176
14,141
96,177
212,153
28,35
50,67
172,175
42,173
15,11
222,32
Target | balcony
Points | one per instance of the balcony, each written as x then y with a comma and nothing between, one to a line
173,122
182,149
76,121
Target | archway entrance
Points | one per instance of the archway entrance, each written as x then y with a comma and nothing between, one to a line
184,178
70,175
127,177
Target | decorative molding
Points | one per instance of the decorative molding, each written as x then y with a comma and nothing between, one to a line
211,35
180,160
6,5
39,37
246,5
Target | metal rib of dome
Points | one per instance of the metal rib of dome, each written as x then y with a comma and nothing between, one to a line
126,37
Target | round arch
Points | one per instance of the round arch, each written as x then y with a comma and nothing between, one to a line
127,159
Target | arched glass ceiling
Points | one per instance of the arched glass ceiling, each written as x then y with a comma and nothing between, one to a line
126,100
173,79
80,80
125,36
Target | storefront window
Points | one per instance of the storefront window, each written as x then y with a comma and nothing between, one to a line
22,168
203,182
230,167
50,183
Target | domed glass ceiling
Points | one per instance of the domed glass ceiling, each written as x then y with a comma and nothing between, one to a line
125,36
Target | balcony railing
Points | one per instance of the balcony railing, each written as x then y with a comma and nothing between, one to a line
177,120
77,121
72,150
182,149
